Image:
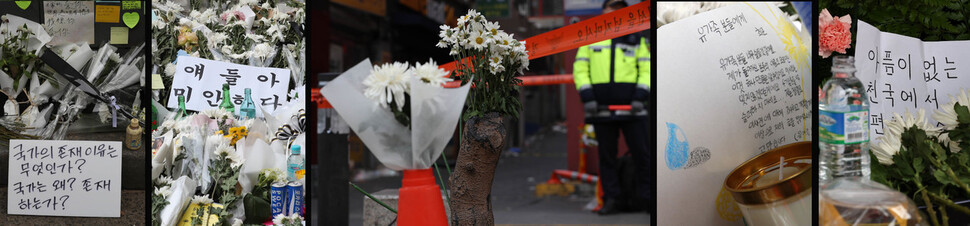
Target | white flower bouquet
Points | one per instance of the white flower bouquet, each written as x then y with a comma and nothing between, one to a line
23,69
401,113
241,32
929,164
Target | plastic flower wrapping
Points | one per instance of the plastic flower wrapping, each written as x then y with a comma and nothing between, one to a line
229,159
42,103
403,115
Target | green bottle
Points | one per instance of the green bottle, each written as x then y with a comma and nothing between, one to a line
181,111
154,118
226,103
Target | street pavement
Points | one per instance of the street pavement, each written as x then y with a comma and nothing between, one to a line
513,191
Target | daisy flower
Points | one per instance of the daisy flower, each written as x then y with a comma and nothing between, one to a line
387,84
478,41
431,74
492,28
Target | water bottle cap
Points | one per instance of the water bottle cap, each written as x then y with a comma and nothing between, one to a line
295,149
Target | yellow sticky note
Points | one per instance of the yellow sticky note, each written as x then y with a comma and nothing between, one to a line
157,82
128,5
119,36
107,13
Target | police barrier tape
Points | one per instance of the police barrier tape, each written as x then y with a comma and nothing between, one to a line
618,23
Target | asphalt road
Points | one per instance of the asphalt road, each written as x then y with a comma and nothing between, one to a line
513,191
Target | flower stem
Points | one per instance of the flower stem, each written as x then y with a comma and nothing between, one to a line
442,179
926,200
943,217
949,203
949,172
372,197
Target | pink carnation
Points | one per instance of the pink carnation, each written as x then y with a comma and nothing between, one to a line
834,34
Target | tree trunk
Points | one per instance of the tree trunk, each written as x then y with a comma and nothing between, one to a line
471,182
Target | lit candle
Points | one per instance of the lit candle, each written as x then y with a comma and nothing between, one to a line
775,187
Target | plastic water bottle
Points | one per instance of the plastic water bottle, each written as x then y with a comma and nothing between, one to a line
843,123
294,164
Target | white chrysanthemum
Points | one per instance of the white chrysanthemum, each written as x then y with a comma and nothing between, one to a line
430,73
255,37
201,200
216,38
163,191
287,219
387,84
170,69
237,222
159,24
889,143
954,146
946,115
224,150
248,2
275,32
217,113
163,180
263,51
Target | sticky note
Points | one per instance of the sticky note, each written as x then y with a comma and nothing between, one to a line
128,5
131,19
23,4
119,36
157,82
107,13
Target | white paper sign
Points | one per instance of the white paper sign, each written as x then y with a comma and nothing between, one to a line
201,80
903,73
69,21
64,178
732,83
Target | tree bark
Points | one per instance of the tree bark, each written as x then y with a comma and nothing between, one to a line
471,182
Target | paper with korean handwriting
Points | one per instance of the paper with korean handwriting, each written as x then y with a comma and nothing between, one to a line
69,21
903,73
201,80
64,178
731,83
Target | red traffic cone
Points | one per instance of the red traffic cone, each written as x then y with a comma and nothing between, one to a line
419,201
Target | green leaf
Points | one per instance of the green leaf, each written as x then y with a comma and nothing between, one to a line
963,113
918,164
941,177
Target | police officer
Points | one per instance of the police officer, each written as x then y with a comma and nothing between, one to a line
617,72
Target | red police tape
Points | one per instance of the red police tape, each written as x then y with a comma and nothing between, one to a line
618,23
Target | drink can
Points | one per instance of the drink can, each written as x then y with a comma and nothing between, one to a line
277,196
294,195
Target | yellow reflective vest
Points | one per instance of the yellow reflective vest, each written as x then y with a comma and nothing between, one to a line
613,72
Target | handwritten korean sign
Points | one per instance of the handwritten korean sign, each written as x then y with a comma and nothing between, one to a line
738,83
200,81
69,21
64,178
902,74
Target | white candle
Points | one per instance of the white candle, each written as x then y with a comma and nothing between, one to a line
775,187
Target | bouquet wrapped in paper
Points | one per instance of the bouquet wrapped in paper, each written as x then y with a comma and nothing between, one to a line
405,118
